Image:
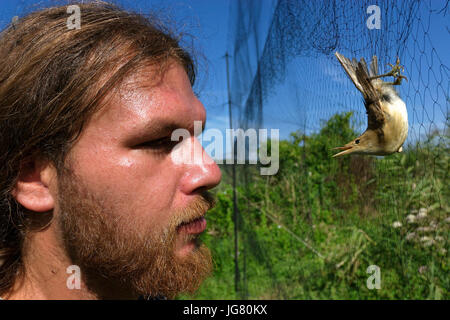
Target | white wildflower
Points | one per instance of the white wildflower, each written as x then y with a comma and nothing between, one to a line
424,229
411,218
427,241
397,224
410,236
447,220
422,213
439,238
422,269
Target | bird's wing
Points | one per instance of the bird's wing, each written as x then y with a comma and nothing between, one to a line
373,67
350,68
372,100
358,73
364,64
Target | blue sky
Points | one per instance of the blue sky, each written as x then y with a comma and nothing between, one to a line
205,20
208,22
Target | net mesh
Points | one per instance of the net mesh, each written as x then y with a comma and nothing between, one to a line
284,75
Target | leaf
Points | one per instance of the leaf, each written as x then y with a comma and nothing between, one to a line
437,293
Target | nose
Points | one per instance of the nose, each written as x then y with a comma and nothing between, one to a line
202,173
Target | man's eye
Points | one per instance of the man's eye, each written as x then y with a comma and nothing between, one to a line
163,144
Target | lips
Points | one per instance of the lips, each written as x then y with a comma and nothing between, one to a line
194,227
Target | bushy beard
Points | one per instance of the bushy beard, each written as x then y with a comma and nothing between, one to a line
115,252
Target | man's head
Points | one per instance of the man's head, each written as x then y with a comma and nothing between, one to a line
86,117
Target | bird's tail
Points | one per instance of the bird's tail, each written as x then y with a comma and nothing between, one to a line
360,76
350,68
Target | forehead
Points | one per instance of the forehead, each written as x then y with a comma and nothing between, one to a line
146,99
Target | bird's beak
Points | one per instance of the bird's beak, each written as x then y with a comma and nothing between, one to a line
346,150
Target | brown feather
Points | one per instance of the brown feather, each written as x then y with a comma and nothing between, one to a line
373,67
372,100
349,68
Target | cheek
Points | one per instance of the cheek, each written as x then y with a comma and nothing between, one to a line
138,185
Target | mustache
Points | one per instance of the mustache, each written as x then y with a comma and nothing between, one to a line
204,202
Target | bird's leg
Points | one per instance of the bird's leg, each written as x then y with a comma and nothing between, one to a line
395,72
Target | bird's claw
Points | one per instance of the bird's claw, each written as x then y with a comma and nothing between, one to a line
398,80
395,72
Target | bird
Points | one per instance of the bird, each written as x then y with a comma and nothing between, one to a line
387,117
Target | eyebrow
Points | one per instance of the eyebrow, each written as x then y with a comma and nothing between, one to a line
166,126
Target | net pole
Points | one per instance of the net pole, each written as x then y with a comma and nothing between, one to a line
235,208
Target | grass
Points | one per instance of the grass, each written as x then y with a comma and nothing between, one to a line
312,230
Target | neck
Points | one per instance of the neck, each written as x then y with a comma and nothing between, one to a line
45,266
50,274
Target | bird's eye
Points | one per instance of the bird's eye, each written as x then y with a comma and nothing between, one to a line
386,98
357,141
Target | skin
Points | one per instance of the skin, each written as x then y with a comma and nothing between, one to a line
140,181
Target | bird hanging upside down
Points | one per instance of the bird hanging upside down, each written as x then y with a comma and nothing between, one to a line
387,127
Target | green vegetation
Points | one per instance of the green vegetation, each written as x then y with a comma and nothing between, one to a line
353,212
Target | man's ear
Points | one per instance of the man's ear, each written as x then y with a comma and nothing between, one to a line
32,189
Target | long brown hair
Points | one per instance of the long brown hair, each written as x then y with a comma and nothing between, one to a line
52,80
